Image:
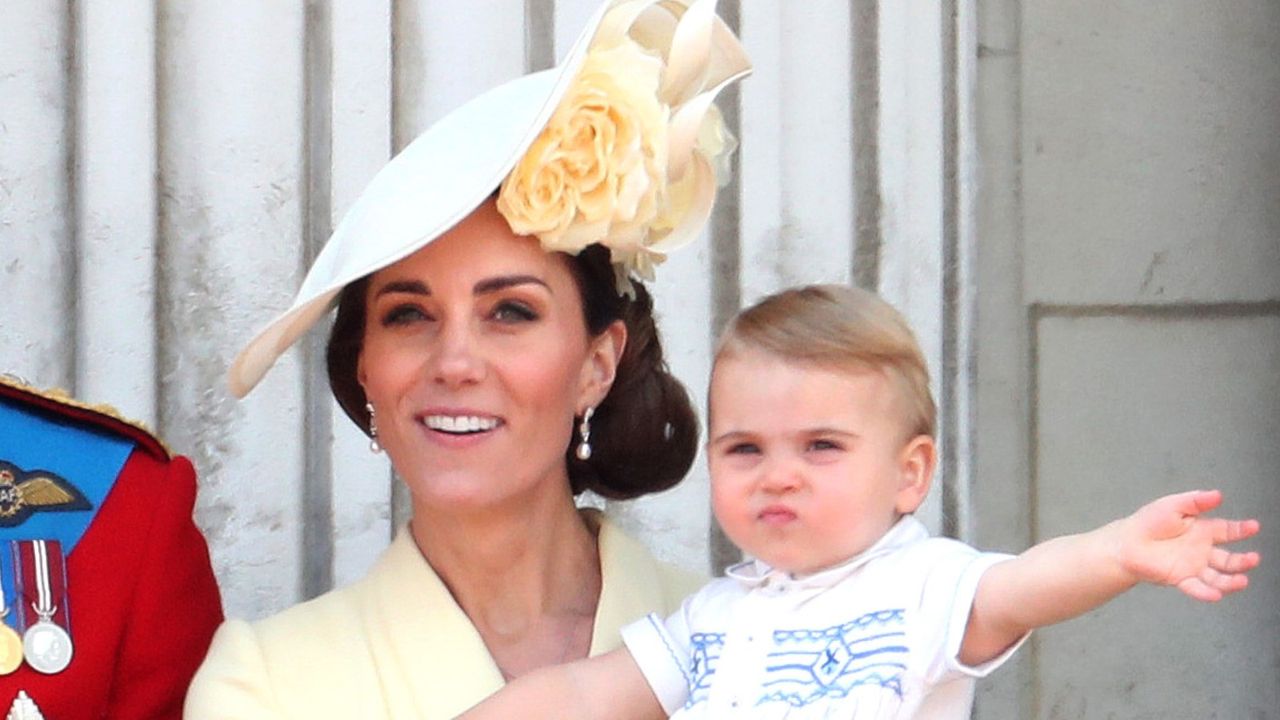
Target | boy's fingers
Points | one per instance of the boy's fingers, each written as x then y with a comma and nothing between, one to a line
1231,583
1225,531
1223,583
1197,589
1193,502
1229,562
1205,500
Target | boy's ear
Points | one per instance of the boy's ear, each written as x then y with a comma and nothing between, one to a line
916,464
602,364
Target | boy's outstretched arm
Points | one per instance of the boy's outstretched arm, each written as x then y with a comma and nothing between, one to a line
1166,542
605,686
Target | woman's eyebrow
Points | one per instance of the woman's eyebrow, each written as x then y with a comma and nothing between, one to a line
503,282
413,287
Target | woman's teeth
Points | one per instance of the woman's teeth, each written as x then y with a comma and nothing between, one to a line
459,423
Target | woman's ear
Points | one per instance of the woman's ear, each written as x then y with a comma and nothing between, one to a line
601,367
916,463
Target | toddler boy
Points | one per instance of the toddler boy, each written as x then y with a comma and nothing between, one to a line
820,449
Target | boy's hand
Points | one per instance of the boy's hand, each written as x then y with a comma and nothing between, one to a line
1167,542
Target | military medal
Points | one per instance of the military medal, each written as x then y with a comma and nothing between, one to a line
10,640
10,650
10,646
46,646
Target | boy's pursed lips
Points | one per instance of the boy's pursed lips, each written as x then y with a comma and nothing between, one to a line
776,514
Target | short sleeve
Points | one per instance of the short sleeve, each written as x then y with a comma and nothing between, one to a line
948,598
662,653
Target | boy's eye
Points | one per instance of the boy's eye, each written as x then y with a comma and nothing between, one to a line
510,311
822,444
742,448
403,315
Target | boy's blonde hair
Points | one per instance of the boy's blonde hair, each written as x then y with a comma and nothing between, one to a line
840,328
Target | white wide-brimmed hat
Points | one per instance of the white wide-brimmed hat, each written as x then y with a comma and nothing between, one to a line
617,145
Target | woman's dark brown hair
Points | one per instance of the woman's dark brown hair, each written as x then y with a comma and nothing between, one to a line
644,435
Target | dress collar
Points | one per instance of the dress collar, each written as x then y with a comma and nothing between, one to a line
754,573
408,608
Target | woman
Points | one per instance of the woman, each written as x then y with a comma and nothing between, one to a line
500,347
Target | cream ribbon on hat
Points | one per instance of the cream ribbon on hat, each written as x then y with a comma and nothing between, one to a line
453,166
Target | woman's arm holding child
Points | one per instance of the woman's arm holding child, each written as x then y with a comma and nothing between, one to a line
606,686
1165,543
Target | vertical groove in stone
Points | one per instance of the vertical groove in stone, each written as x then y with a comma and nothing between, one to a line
317,485
949,381
726,265
71,240
398,18
1033,703
161,309
1033,316
539,35
865,17
157,188
400,509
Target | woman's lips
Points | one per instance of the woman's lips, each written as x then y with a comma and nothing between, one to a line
459,423
458,427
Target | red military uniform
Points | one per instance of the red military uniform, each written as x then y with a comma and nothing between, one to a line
142,603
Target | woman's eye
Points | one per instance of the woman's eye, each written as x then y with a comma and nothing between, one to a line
403,315
513,312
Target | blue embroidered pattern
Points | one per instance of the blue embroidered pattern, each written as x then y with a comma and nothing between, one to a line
704,655
810,665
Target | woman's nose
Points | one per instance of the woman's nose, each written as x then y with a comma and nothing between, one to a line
456,359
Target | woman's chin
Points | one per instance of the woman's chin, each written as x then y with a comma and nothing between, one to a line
461,495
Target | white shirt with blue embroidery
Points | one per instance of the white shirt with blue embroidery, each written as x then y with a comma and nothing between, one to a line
874,637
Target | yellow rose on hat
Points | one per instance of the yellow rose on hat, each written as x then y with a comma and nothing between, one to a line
598,169
630,156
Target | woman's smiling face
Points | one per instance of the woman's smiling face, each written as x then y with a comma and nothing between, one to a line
476,358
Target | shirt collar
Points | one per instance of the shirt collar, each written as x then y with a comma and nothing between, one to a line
754,573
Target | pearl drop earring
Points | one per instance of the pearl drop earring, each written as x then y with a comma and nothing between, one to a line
584,429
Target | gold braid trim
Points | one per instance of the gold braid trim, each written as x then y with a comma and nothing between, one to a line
62,397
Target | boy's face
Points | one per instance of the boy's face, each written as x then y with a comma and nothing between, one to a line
809,466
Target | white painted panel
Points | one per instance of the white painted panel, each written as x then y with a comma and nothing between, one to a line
797,124
911,170
116,205
968,191
762,153
361,144
449,52
36,264
231,174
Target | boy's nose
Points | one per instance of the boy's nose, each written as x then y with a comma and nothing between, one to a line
781,476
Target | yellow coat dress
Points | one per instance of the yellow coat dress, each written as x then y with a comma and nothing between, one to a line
396,645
